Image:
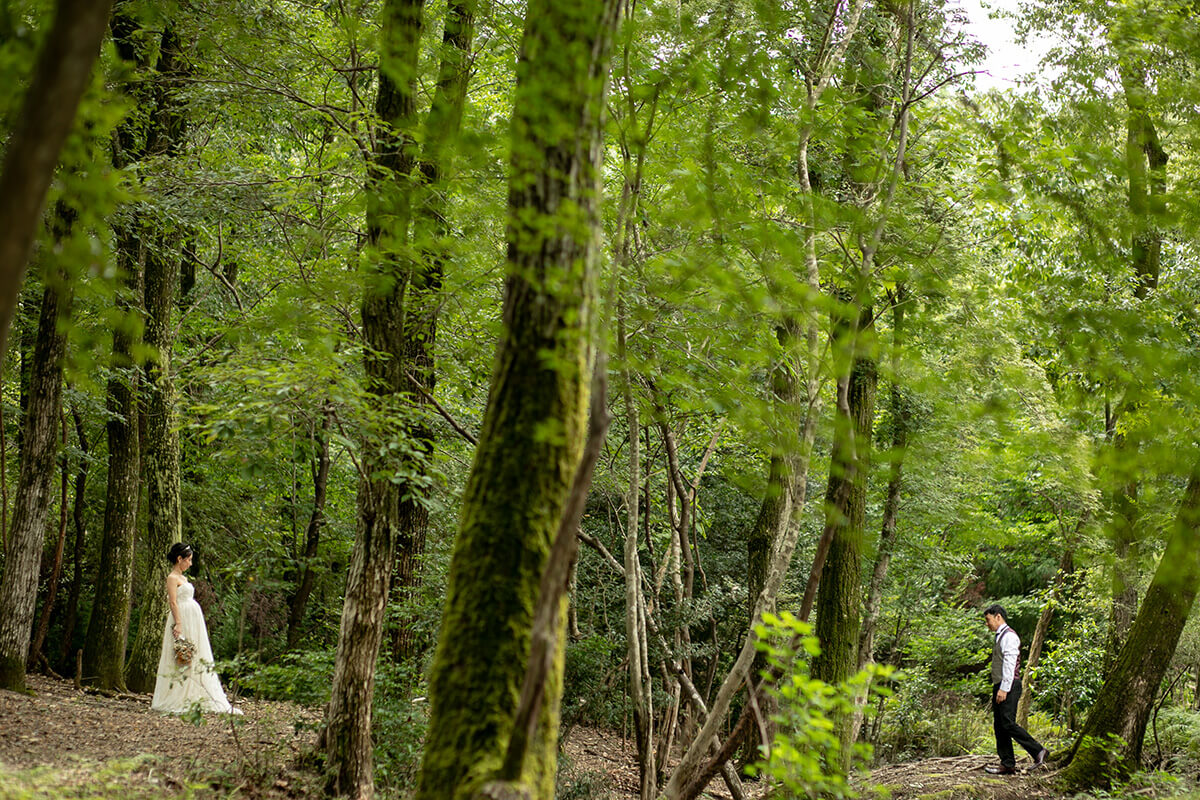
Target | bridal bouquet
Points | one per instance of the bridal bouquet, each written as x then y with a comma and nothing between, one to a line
184,650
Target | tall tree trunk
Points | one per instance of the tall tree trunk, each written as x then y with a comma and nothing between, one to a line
66,658
839,598
423,299
785,388
18,586
521,476
60,76
901,419
347,734
1126,699
641,687
160,468
108,626
312,534
1146,166
160,464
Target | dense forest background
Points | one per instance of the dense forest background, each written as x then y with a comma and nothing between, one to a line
327,290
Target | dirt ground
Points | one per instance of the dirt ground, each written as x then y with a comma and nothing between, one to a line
83,738
64,743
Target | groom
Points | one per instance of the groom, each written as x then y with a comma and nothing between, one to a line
1006,693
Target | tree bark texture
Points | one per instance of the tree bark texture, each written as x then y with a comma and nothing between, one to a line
160,467
160,448
66,656
347,735
1146,166
839,597
901,416
1126,699
60,77
33,501
636,639
423,299
298,602
784,385
108,626
43,624
533,427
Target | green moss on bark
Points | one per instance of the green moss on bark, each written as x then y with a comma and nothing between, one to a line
534,426
1110,746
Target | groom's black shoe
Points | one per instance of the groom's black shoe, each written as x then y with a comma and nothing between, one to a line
1000,769
1041,757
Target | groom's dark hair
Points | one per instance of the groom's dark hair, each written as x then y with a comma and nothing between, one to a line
994,609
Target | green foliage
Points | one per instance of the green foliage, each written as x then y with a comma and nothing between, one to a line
594,691
302,677
805,755
925,719
1067,679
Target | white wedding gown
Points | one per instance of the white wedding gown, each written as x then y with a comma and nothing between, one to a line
180,688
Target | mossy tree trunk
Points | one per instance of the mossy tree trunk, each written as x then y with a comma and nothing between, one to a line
900,410
839,600
1126,699
18,587
787,398
160,448
534,425
1146,167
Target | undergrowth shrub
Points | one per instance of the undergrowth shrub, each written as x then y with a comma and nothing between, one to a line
1176,747
923,720
576,783
805,758
594,688
399,717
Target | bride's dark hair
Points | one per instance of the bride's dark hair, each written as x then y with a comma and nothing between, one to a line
178,550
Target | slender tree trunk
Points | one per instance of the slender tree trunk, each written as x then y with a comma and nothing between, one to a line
1126,699
347,733
18,586
641,688
312,534
60,76
43,624
776,503
520,477
1066,566
423,299
66,658
891,505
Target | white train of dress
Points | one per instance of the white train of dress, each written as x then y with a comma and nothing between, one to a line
180,689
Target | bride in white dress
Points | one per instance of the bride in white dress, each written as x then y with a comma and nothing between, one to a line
180,688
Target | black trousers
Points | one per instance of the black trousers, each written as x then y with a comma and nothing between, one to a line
1004,721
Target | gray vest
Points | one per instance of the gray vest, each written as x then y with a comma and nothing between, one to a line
998,657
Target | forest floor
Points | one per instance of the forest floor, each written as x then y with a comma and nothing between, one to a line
63,743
